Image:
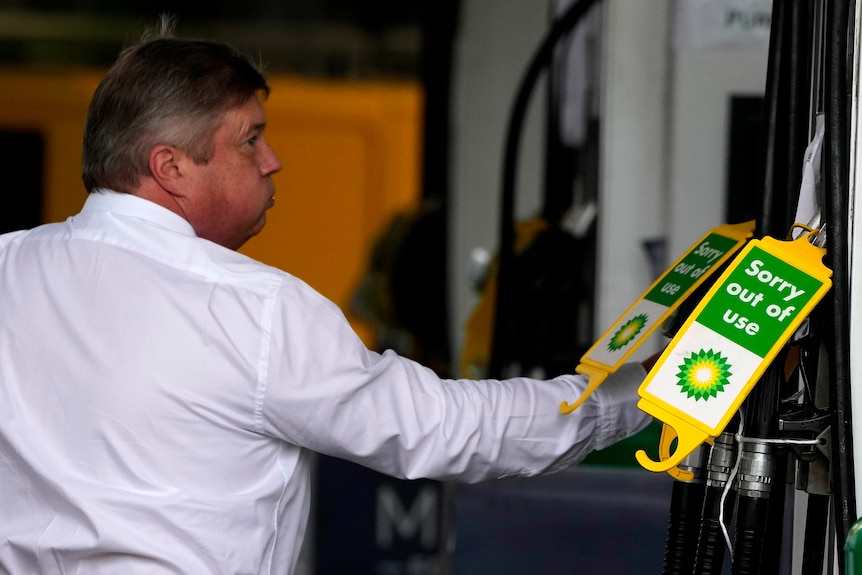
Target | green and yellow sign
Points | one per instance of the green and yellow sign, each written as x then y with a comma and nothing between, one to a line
660,300
726,344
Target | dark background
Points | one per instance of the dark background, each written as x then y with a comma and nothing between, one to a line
315,37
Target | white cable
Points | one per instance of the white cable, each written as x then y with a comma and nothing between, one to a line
729,485
740,439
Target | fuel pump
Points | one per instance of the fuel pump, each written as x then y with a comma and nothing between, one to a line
791,436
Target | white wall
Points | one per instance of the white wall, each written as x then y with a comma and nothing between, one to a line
703,83
632,191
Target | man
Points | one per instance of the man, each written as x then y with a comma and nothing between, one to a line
161,394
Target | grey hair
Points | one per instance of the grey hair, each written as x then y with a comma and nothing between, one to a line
163,90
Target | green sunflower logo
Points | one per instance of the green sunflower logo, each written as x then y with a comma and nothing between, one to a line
627,332
703,374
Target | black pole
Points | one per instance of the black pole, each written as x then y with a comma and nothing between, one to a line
439,24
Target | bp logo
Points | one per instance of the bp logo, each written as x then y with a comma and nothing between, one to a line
703,374
627,332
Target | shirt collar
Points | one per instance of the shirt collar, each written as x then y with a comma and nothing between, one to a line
104,200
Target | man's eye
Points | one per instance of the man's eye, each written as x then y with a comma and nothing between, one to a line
252,141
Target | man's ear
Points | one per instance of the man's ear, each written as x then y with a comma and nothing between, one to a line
165,167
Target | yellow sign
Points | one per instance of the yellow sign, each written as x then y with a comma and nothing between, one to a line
662,298
731,337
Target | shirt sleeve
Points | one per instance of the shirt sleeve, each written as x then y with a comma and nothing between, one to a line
325,391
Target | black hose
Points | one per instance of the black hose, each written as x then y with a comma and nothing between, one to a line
836,178
540,61
797,117
757,466
814,545
786,114
771,124
685,514
748,548
711,545
683,521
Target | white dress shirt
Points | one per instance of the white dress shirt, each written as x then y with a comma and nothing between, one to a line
160,396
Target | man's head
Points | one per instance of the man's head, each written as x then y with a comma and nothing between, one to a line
164,90
155,123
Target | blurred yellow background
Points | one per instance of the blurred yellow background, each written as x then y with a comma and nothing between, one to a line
351,152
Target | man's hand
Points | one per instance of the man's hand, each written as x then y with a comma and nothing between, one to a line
649,362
